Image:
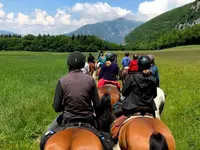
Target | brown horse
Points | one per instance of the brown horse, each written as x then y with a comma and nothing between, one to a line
123,75
145,133
108,94
91,69
74,139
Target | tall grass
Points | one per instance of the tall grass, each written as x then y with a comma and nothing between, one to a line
28,80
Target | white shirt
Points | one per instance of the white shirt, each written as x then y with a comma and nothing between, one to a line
86,68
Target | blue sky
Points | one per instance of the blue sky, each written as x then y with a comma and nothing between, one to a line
63,16
27,6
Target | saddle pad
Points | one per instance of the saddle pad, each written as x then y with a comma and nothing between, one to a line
133,117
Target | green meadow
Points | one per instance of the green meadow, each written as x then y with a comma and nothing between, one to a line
28,80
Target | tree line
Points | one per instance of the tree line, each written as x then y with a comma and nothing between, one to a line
58,43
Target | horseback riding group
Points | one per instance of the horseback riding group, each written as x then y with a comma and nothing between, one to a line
95,117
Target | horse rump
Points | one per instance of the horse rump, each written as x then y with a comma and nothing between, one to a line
158,142
45,138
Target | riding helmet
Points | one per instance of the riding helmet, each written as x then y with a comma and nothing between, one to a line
110,56
127,54
135,57
144,63
152,58
76,60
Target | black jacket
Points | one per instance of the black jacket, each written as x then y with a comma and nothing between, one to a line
76,96
139,90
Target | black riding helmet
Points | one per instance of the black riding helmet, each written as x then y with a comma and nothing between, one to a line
144,63
135,57
76,60
127,54
110,56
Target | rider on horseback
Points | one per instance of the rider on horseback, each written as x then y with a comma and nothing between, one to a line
154,70
133,65
91,59
126,61
76,94
101,59
109,71
140,90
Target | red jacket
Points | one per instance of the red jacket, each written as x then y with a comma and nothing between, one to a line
133,66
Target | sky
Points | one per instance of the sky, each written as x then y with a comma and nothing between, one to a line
63,16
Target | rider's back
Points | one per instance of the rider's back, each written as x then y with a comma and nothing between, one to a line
77,90
139,90
109,72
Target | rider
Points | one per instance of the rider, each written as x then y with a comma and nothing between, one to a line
139,89
91,59
109,71
154,69
101,59
133,64
75,94
126,60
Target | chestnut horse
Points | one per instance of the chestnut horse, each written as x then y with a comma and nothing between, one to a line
75,138
91,69
111,94
145,133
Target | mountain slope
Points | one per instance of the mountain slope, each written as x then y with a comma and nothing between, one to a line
146,35
2,32
111,31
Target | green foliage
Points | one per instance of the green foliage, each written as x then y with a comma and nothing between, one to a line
164,31
61,43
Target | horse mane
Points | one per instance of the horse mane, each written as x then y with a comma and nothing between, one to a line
105,119
158,142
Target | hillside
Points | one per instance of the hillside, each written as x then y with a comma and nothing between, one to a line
2,32
111,31
176,20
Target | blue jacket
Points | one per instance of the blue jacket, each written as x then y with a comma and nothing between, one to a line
109,72
155,73
126,61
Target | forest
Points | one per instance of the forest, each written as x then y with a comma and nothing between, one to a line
58,43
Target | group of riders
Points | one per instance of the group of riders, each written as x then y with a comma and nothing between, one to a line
76,94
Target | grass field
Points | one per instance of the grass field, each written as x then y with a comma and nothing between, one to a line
28,80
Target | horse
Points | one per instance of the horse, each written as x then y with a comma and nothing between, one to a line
123,75
91,69
145,133
111,94
73,136
159,100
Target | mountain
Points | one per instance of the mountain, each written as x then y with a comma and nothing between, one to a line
175,21
2,32
111,31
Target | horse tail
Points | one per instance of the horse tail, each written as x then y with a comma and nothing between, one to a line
158,142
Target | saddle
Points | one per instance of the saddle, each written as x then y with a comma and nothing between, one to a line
119,122
105,138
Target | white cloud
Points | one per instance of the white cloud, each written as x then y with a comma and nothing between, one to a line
153,8
39,21
23,19
98,11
